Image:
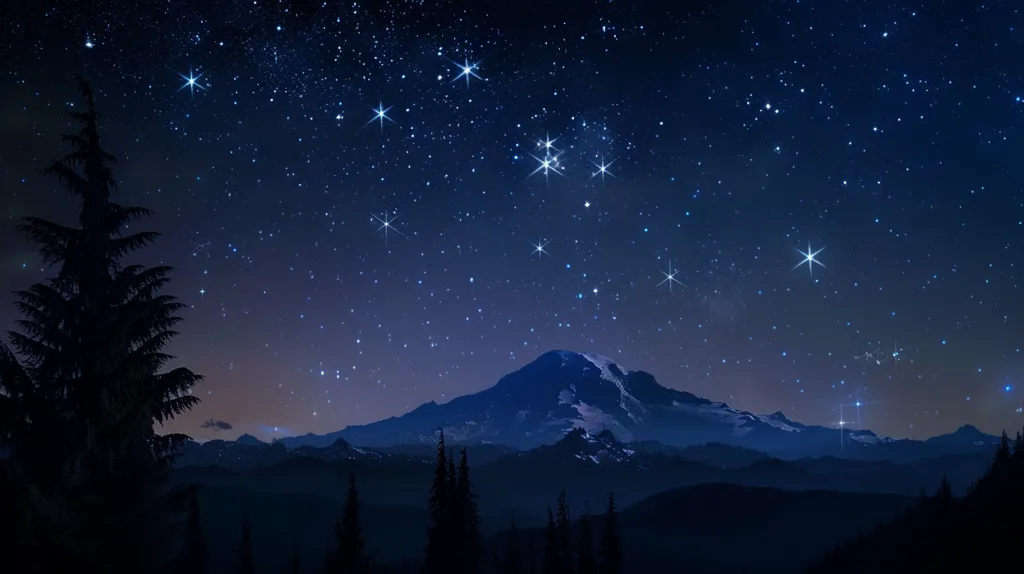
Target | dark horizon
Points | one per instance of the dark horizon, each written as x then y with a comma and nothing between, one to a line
886,135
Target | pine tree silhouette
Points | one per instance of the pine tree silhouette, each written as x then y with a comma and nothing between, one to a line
194,558
944,494
437,553
585,561
351,545
565,561
513,560
246,564
552,559
82,389
466,520
611,544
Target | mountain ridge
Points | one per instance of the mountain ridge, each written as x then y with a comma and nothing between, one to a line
541,402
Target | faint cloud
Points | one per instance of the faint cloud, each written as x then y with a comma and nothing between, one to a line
217,425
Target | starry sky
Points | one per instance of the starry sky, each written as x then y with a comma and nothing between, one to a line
374,204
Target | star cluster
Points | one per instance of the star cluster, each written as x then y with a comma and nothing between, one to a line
371,205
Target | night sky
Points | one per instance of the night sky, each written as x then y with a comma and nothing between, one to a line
360,226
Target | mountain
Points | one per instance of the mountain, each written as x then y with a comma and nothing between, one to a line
563,390
248,439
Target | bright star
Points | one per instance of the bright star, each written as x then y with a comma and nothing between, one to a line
547,165
380,114
670,277
602,169
468,70
809,259
385,225
548,145
191,82
538,248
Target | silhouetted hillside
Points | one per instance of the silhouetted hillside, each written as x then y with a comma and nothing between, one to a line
942,534
725,528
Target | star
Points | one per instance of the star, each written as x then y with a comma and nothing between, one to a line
548,145
191,81
380,114
809,259
548,164
386,225
467,70
602,169
670,277
538,248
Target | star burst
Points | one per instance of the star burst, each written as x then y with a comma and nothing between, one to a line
548,145
670,277
386,224
547,165
191,81
380,114
602,169
467,70
810,259
538,248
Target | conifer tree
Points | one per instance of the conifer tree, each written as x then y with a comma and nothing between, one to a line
944,494
611,543
466,521
351,544
552,560
513,560
82,389
195,555
585,562
565,561
1002,457
437,552
246,564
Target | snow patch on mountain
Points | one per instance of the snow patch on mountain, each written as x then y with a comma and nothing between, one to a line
633,407
779,421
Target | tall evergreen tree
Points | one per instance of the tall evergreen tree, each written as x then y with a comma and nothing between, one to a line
513,559
944,494
351,545
82,389
552,559
611,544
194,558
437,552
466,521
246,564
564,523
531,558
585,561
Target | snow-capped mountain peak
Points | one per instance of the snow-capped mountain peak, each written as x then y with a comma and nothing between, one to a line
563,391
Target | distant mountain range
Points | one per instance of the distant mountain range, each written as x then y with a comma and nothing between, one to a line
586,464
562,390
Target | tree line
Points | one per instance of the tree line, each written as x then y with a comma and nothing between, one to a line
979,532
455,544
